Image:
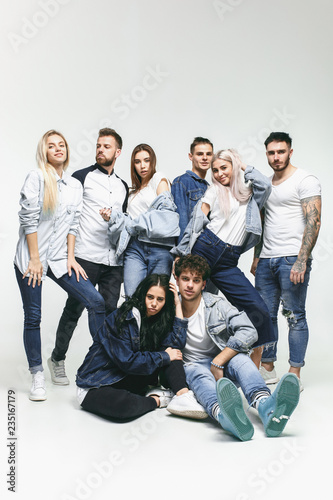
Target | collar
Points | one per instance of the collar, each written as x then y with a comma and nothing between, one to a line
101,169
63,179
196,177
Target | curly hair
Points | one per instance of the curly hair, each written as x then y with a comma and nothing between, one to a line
155,328
194,264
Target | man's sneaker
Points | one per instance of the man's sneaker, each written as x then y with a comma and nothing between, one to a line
58,374
38,389
269,377
232,416
275,410
186,405
165,395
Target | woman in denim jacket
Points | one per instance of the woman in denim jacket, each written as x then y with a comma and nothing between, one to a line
225,224
138,341
51,203
145,236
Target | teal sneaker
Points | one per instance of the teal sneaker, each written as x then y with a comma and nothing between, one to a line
275,410
232,416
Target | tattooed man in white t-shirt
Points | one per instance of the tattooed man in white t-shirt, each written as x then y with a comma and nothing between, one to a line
282,266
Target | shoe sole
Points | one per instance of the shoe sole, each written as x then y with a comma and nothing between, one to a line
37,398
287,398
231,408
272,381
197,415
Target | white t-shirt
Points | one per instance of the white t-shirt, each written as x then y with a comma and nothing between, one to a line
284,218
138,203
232,229
199,345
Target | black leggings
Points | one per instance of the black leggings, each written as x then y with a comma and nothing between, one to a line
125,400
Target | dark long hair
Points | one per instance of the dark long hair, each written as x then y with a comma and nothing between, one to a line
135,178
153,329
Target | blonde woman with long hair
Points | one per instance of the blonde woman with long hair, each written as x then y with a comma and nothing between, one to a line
51,203
225,224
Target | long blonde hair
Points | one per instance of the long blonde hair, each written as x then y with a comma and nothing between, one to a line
49,173
237,187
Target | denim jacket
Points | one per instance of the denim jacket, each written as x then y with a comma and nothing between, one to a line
159,225
227,326
111,358
187,190
261,187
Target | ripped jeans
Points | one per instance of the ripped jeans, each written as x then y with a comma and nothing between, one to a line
274,285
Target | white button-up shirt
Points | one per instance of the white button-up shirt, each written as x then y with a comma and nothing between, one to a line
100,190
52,228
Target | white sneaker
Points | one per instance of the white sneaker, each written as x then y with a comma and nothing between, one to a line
38,389
186,405
165,395
58,374
269,377
301,387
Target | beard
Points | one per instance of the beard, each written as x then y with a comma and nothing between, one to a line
105,162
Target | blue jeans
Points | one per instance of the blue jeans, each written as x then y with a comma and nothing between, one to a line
240,370
82,290
142,259
274,285
229,279
109,280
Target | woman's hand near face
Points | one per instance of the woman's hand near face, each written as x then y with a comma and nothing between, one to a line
178,305
175,354
105,213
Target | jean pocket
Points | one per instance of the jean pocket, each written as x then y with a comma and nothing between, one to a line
290,260
206,239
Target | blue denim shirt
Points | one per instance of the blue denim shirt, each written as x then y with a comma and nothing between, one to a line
111,358
159,225
226,326
187,190
261,187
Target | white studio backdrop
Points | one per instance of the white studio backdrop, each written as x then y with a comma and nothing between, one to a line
163,72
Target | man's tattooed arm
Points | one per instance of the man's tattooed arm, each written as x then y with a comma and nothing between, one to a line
312,212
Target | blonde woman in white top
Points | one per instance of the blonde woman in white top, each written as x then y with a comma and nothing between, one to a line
51,203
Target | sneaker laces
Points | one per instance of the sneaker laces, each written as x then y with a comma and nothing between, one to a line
38,381
59,369
282,417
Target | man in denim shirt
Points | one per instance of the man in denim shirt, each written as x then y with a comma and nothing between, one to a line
218,341
187,189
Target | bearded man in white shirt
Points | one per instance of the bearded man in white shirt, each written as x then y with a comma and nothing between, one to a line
102,188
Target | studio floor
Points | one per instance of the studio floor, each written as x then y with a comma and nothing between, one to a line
64,453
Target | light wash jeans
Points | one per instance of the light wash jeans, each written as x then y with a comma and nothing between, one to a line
142,259
240,370
274,285
82,290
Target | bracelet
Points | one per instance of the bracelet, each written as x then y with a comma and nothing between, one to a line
217,366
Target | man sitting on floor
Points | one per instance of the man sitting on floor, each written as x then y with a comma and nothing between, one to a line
219,339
